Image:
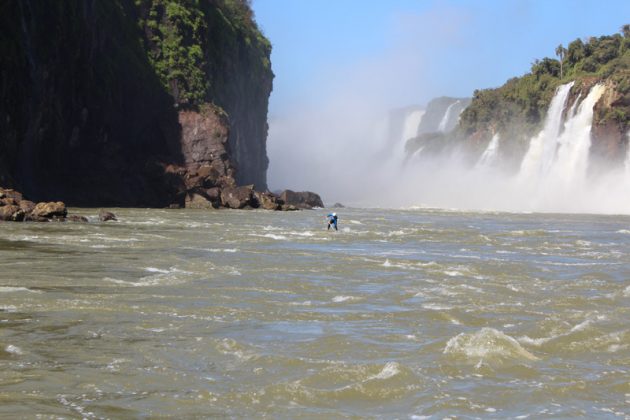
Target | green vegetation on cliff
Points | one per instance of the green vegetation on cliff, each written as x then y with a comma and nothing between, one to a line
521,103
187,41
87,90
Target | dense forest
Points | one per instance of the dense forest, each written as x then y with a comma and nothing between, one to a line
521,103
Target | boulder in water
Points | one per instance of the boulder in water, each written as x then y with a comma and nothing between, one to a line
50,210
267,200
27,206
105,216
12,213
302,199
238,197
198,201
9,193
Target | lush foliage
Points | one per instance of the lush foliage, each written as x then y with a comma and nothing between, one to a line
523,101
186,38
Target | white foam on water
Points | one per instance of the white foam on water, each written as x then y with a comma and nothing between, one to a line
156,270
624,231
355,222
582,325
536,341
76,407
390,370
13,350
578,327
160,277
307,233
436,307
12,289
614,348
231,347
387,264
487,343
272,236
339,299
453,273
626,292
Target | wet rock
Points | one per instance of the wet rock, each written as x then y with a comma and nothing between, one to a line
338,206
267,200
302,199
9,193
288,207
12,213
238,197
27,206
49,210
105,216
8,201
77,219
214,195
197,201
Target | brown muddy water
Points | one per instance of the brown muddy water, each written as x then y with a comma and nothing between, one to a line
407,314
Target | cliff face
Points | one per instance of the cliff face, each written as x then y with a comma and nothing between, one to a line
119,103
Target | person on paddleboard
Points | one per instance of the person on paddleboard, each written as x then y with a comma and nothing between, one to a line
332,220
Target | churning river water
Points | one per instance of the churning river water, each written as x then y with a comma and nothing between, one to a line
406,314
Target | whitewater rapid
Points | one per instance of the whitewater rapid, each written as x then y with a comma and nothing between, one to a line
241,314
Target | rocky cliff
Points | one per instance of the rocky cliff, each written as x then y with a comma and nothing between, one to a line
516,111
131,103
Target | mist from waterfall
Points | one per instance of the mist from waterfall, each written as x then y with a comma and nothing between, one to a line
555,173
446,117
489,155
411,124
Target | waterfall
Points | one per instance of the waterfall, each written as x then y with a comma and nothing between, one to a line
490,154
447,115
574,144
410,127
626,163
542,147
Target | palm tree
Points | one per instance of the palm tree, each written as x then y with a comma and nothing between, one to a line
561,52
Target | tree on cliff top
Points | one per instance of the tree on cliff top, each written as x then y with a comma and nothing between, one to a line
561,52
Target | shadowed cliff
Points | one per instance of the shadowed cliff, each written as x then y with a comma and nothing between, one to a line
97,96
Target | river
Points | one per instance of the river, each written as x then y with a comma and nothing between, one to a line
407,314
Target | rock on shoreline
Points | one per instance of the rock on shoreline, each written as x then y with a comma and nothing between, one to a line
246,197
14,208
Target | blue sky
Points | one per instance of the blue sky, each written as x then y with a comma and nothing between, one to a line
341,65
452,47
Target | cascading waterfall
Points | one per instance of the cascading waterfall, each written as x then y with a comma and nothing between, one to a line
574,144
446,117
410,127
542,148
490,154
